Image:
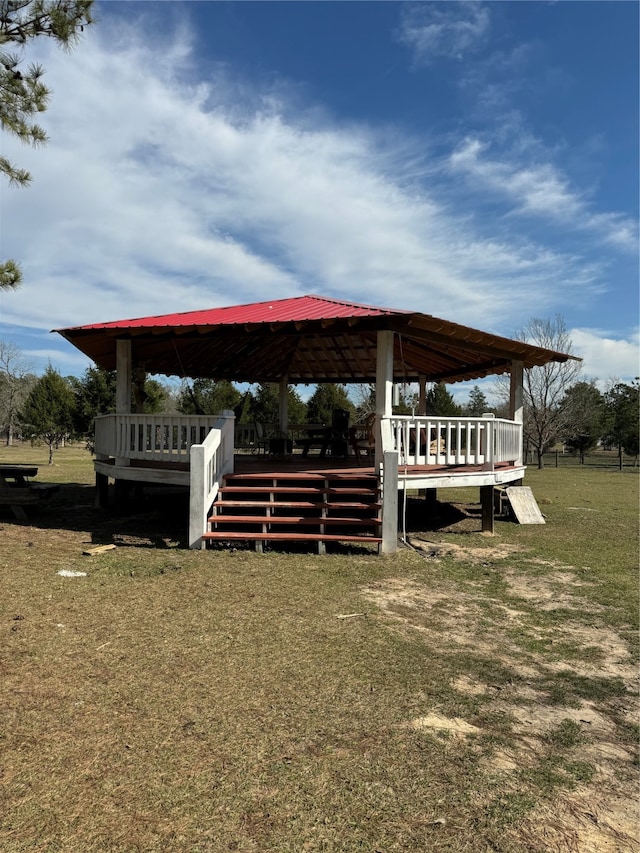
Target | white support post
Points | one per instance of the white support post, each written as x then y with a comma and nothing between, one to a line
390,503
124,363
516,399
384,386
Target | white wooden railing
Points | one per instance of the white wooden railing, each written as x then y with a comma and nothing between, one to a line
210,461
155,438
455,441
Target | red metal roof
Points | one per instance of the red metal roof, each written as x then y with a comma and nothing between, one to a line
305,339
299,308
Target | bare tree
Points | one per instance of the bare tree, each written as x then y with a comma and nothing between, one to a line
545,418
16,381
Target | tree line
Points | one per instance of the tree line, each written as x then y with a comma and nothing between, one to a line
52,408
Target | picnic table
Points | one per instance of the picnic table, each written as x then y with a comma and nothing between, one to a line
16,491
316,437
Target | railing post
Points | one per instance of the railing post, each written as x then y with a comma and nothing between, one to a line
197,497
489,439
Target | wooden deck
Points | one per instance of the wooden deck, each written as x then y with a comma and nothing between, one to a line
254,463
409,474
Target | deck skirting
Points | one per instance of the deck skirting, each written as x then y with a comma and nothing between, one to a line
430,478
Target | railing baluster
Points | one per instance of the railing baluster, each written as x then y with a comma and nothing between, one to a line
462,441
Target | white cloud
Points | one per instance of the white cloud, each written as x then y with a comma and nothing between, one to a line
159,192
605,357
539,189
450,30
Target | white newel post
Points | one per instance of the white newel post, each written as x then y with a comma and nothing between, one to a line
516,399
123,384
198,509
390,503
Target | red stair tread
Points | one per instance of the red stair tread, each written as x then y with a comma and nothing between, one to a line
294,519
356,495
297,490
291,537
298,504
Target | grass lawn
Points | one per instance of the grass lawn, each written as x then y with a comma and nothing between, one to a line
480,695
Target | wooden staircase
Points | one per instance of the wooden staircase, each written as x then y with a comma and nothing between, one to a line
304,506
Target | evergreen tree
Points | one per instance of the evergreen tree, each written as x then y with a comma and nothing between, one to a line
208,397
49,410
585,418
95,394
22,93
440,402
477,404
264,407
156,396
325,400
622,402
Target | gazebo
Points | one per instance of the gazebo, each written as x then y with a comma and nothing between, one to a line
307,339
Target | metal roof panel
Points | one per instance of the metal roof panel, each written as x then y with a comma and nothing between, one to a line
299,308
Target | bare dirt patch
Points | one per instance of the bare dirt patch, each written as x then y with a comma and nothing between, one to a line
601,812
435,548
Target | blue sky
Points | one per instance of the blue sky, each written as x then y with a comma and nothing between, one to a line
475,161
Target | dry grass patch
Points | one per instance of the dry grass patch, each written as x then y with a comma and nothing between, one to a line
559,700
191,702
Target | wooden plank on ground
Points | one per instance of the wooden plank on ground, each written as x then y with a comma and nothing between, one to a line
97,549
524,505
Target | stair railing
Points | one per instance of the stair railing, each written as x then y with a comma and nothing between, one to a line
209,462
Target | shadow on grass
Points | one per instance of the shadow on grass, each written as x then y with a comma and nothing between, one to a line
150,517
157,516
421,517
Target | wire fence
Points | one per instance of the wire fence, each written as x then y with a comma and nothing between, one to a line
595,459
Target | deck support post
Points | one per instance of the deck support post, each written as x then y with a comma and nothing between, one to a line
430,499
486,502
102,491
122,491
